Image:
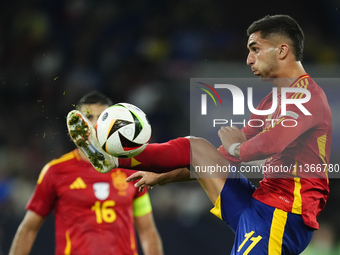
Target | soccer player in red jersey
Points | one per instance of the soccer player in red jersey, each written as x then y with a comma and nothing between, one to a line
94,213
280,216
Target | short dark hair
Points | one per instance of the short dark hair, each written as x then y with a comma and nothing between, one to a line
280,25
94,97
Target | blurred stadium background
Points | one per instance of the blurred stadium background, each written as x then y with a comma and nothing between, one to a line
144,52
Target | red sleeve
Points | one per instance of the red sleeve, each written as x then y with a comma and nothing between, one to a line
275,138
232,159
43,198
251,131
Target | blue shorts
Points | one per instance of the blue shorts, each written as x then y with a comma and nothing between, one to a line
260,229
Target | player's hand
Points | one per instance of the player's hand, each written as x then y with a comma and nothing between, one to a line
231,135
146,179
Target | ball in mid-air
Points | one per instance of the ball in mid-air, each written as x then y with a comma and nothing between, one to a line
123,130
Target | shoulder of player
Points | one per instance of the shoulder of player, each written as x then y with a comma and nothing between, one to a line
317,93
309,84
64,159
306,82
317,104
57,163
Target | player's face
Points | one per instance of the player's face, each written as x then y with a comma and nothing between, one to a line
262,57
93,111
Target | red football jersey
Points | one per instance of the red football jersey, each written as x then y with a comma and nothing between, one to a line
93,211
303,149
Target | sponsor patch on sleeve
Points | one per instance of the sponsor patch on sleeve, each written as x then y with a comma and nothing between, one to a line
291,114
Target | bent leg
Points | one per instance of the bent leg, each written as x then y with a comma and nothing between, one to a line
204,154
176,154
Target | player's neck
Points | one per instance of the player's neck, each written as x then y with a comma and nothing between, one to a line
288,74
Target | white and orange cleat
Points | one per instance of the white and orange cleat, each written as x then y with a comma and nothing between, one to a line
84,137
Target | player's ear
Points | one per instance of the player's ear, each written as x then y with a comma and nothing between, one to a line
283,51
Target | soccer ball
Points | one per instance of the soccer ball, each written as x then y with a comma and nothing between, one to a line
123,130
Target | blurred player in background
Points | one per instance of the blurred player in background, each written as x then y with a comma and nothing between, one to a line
280,216
94,213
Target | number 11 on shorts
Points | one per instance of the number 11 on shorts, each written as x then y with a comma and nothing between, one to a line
254,241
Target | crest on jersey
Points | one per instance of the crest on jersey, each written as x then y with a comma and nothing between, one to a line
119,183
101,190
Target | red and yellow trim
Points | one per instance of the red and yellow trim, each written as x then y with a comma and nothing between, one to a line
302,82
135,162
64,158
297,204
68,244
133,243
322,151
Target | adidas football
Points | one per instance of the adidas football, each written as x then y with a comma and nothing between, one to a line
123,130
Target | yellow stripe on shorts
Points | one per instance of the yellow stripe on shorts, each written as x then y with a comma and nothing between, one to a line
217,209
276,232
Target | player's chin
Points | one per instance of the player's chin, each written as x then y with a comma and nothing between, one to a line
257,73
265,78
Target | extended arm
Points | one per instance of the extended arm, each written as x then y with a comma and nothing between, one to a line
150,240
26,234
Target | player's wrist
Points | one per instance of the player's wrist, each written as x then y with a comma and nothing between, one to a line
232,148
164,178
